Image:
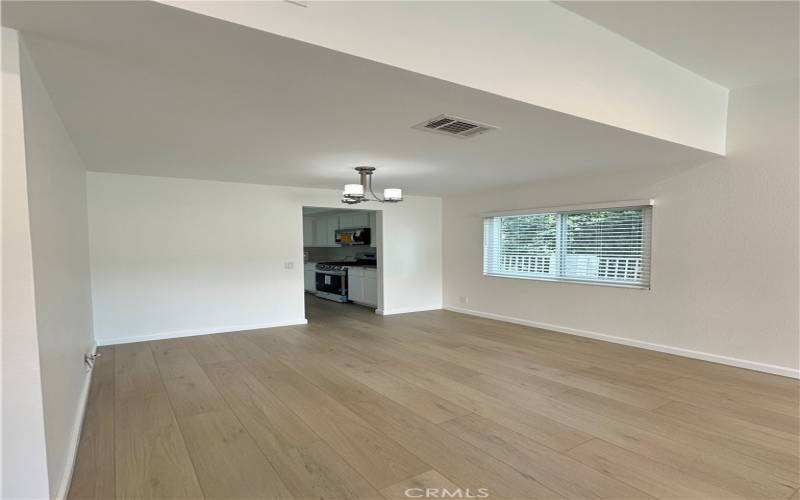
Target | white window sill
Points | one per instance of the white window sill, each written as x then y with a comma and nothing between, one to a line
570,280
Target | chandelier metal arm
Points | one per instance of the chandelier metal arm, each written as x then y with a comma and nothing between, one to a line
375,196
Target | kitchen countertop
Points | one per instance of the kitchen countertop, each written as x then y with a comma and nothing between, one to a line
367,266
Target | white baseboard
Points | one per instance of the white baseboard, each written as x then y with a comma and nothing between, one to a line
75,437
404,310
200,331
679,351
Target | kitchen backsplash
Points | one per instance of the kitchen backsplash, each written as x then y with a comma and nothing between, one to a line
322,254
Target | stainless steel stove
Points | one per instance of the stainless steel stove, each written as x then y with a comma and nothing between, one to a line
331,281
331,278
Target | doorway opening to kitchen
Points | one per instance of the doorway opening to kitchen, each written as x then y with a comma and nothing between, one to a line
342,257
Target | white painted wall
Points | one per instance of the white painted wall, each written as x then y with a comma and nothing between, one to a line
59,237
725,248
24,453
179,257
535,52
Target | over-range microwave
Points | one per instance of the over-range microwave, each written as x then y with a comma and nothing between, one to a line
352,237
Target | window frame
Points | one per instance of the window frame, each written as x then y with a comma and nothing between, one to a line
561,213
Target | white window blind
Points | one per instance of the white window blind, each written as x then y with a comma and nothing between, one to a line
602,245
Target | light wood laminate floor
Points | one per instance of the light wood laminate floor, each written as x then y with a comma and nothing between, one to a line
356,405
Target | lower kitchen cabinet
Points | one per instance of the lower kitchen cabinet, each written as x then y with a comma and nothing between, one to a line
310,278
363,285
355,288
371,291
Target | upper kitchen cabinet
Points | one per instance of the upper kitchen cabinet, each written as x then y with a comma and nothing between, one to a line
331,225
372,219
354,220
319,229
308,231
313,230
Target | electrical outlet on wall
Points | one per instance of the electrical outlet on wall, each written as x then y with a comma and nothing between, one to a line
463,299
288,265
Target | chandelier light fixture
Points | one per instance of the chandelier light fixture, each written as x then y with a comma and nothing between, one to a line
357,193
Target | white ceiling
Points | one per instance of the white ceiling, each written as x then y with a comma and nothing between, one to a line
531,51
148,89
733,43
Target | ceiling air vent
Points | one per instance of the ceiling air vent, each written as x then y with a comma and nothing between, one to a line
454,126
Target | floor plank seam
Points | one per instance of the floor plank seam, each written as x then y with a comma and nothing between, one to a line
252,437
178,425
321,438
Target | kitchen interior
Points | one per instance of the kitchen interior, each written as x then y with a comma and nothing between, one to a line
340,256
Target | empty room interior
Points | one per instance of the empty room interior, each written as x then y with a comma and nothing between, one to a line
397,250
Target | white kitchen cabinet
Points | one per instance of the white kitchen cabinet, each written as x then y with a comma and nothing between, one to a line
331,224
324,228
370,291
320,231
363,285
355,284
310,276
346,221
309,280
354,220
372,223
308,232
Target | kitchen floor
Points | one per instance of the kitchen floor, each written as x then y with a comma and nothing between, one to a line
356,405
318,309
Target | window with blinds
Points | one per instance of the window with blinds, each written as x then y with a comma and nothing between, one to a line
606,246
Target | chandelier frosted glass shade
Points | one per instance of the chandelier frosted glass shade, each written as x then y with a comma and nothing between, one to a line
392,194
353,191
